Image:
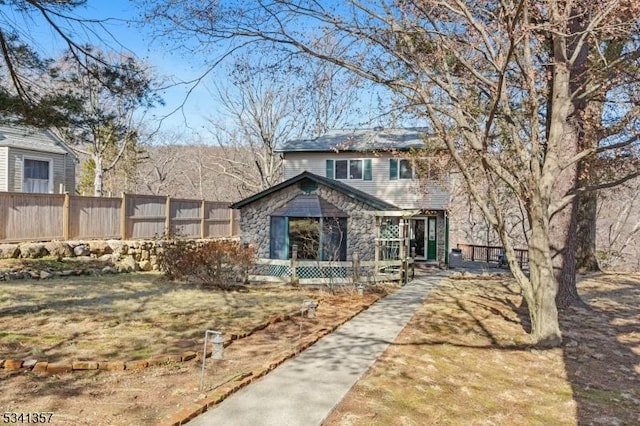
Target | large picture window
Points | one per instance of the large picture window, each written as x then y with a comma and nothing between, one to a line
316,238
305,233
36,176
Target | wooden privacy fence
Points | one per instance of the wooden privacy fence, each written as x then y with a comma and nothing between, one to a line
44,217
491,254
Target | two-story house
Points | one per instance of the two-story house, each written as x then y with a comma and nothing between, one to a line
348,190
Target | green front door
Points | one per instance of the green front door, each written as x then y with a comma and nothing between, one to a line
431,238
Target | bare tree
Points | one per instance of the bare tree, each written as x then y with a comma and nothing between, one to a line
183,166
111,100
158,171
606,118
492,81
270,103
619,227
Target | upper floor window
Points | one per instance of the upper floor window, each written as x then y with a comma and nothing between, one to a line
400,169
37,176
349,169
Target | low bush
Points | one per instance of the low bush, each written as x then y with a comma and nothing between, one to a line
218,263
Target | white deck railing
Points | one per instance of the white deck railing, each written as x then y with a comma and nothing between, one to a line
315,272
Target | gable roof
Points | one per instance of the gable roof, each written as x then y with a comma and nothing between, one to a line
351,192
376,139
33,139
309,205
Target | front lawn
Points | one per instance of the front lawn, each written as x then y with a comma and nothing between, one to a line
464,359
124,317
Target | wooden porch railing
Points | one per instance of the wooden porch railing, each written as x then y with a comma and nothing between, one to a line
315,272
491,254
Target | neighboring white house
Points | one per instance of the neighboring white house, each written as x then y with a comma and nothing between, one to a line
377,162
36,161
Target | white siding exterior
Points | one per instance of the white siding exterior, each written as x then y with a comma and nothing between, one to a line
403,193
4,172
19,143
58,163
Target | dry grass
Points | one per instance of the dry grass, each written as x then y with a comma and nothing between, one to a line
464,359
124,317
141,314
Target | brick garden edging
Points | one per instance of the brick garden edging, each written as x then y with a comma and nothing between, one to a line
45,367
194,409
13,365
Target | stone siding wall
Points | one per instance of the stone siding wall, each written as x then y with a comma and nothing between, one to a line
255,220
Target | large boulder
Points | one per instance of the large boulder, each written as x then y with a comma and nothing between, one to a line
9,251
118,247
33,250
128,264
99,247
145,265
110,258
59,249
81,250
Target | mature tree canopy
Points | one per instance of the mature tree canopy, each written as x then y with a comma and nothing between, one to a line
27,90
112,92
494,81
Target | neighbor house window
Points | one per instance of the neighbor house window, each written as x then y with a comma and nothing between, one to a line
37,176
349,169
400,169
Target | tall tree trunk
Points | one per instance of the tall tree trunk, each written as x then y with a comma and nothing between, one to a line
586,260
541,292
565,223
99,176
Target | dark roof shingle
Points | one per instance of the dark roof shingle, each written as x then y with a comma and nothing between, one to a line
351,192
359,140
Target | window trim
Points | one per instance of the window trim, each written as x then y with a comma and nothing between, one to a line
397,167
366,168
349,161
280,245
41,159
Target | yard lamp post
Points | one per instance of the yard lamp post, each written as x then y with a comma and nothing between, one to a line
311,306
217,343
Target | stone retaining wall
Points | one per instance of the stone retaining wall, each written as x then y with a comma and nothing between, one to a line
125,256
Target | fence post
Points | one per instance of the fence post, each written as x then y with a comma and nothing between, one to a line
487,250
231,224
356,267
123,217
167,219
66,217
294,264
203,212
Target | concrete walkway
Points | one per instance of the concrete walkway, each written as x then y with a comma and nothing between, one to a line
305,389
